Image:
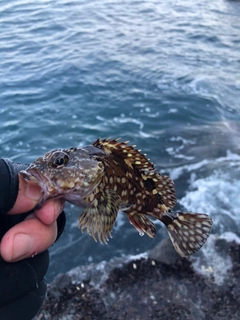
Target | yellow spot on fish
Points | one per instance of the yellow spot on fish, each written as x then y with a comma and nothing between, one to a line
123,180
69,185
61,183
91,197
177,223
181,218
171,227
154,191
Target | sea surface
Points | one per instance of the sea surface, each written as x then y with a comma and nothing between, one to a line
163,74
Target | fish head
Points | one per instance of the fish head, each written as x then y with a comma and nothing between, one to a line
71,174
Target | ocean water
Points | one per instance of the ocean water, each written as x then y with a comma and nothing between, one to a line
163,74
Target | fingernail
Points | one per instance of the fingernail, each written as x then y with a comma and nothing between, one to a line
33,192
22,246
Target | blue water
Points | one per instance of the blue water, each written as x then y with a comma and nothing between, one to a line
163,74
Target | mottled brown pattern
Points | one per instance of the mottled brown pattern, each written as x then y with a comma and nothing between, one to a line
109,176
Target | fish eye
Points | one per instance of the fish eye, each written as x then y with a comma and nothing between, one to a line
58,159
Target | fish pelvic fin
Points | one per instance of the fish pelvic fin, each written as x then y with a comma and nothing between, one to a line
100,216
142,223
188,232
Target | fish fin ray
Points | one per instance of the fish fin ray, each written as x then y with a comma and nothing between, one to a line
161,187
142,223
188,232
131,157
99,218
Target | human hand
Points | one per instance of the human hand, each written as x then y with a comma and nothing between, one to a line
39,229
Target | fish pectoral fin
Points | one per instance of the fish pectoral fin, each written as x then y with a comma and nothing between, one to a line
188,232
142,223
99,218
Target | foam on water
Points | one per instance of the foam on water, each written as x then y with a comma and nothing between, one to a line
175,151
232,159
230,237
216,194
210,263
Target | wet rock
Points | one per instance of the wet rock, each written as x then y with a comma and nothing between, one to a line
148,286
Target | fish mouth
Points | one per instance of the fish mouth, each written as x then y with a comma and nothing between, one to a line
32,174
48,188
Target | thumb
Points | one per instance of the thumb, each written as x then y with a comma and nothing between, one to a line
28,197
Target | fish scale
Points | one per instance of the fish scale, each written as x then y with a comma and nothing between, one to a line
111,176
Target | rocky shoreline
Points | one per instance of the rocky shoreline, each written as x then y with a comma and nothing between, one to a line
154,285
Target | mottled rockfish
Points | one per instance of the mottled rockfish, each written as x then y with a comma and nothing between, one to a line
109,176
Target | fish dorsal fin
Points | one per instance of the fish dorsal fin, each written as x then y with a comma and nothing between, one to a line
99,217
130,156
161,187
138,168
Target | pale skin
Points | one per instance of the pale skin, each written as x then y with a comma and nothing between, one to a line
38,231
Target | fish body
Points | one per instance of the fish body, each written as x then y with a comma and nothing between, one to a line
109,176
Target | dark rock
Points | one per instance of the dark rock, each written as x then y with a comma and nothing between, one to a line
166,287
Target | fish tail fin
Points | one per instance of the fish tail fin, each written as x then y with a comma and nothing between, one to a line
188,232
141,222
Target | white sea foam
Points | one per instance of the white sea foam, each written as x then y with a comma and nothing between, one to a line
230,237
145,134
217,195
232,159
211,264
124,119
177,172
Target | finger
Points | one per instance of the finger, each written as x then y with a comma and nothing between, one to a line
29,195
27,239
50,211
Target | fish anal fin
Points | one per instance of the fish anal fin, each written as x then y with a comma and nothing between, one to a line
188,232
142,223
100,217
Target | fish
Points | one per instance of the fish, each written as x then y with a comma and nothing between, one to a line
109,176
